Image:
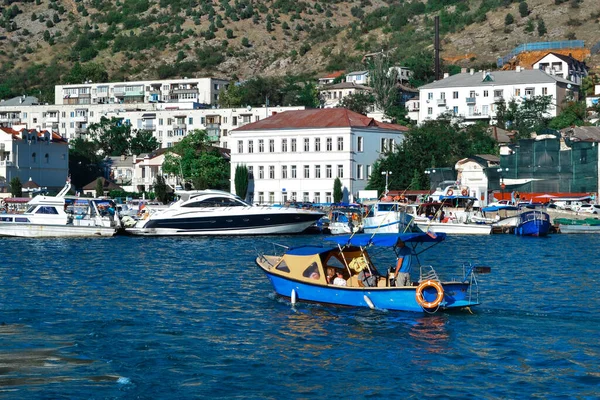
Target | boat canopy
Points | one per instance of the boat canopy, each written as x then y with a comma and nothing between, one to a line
307,250
499,208
386,239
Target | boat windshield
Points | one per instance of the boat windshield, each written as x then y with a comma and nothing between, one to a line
219,201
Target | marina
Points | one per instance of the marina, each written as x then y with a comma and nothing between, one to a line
136,317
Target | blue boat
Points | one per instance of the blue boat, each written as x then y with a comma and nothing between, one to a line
301,274
533,223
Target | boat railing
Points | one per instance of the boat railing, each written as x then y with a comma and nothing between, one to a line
469,275
427,273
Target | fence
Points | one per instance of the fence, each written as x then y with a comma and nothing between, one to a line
565,44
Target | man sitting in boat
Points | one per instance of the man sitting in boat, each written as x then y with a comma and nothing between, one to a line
339,279
403,265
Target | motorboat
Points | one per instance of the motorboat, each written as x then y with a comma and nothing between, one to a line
533,223
215,212
61,216
430,217
300,275
345,218
388,217
587,225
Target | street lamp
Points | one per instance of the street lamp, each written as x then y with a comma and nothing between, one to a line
502,185
387,174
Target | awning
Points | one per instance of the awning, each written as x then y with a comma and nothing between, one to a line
149,116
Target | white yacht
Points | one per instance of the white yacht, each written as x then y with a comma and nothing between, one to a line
60,216
214,212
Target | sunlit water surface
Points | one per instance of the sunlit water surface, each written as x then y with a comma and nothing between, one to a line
129,317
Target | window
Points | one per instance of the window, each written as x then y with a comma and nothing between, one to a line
271,145
317,144
271,172
261,197
250,146
293,145
429,110
328,171
284,172
485,110
455,110
383,145
261,145
517,92
359,171
359,144
340,144
271,197
294,172
529,92
261,172
284,199
317,197
284,145
250,172
293,196
306,171
498,94
240,146
486,93
430,96
455,95
317,171
545,91
329,144
306,145
443,95
327,197
369,172
340,171
190,120
305,197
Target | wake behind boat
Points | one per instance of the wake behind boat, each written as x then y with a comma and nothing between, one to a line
215,212
301,275
60,216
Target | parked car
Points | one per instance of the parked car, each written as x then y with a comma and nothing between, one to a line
590,208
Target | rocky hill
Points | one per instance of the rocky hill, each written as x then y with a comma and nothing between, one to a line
41,40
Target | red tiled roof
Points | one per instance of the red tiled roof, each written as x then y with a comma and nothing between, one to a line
319,118
333,75
9,131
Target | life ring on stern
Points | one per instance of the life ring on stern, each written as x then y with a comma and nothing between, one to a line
450,192
464,192
429,304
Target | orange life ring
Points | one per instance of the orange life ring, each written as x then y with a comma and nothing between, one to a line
464,192
450,192
429,304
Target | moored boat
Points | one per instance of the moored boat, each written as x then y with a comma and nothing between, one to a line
215,212
61,216
588,225
533,223
300,274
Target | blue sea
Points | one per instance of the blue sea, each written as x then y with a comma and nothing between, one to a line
180,318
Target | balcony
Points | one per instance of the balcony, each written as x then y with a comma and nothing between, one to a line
184,91
476,115
120,92
10,121
52,120
149,127
212,138
131,93
51,125
498,99
81,131
179,125
441,102
471,100
6,163
80,118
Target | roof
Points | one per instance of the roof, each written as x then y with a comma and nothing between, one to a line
347,85
20,101
333,75
319,118
106,184
30,185
502,136
525,76
567,59
582,133
357,73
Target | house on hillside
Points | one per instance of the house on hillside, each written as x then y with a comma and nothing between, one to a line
42,157
332,95
472,97
565,67
330,78
296,155
358,77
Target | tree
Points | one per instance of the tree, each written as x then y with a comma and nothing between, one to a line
245,42
541,27
16,187
197,163
160,189
84,161
383,79
99,187
86,72
525,117
574,113
523,9
359,102
509,19
241,181
337,190
143,142
112,136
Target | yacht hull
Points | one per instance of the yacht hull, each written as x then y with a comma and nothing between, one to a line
41,231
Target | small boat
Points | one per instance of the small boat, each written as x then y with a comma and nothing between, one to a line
387,217
61,216
533,223
300,274
215,212
344,219
587,225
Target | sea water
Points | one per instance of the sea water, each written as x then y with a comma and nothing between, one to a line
162,318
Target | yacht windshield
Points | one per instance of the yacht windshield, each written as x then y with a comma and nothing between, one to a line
216,202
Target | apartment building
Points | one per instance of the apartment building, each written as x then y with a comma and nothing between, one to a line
296,155
473,96
565,67
197,90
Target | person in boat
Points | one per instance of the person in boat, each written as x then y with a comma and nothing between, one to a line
315,275
367,278
403,265
330,275
339,279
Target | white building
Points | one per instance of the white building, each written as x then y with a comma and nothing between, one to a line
29,155
332,95
471,174
358,77
565,67
472,96
197,90
296,155
169,122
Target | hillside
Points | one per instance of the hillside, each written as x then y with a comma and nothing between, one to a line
41,40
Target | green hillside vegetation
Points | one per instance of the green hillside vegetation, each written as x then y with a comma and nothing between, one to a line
44,43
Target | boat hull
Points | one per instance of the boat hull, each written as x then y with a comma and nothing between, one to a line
47,231
533,223
455,228
579,228
457,295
